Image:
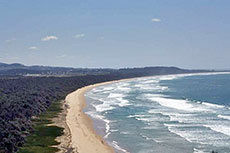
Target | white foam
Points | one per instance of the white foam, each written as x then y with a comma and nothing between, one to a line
139,85
115,95
113,100
108,88
198,151
164,87
177,104
191,136
182,134
220,128
224,117
115,145
122,102
125,133
144,119
183,118
137,115
126,83
212,105
177,116
103,107
148,138
176,76
179,125
201,136
149,127
150,81
147,118
93,97
106,136
151,95
95,115
126,89
151,87
107,127
169,77
105,120
96,90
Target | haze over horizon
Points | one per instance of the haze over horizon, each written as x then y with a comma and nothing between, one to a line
114,34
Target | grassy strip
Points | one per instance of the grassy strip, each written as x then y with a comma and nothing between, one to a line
43,137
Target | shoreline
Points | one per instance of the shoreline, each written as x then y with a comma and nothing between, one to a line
84,138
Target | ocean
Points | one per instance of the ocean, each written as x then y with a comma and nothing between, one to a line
186,113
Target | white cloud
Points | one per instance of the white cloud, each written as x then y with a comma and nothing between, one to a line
10,40
33,48
64,56
79,35
48,38
155,20
101,38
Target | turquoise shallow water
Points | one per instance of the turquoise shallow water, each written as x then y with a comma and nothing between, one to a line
164,114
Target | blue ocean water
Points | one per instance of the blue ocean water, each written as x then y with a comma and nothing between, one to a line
164,114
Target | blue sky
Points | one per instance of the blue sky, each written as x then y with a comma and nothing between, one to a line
116,33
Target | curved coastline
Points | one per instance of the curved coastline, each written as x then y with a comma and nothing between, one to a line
83,136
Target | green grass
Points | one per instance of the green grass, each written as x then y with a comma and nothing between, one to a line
43,137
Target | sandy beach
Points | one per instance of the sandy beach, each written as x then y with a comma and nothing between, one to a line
83,136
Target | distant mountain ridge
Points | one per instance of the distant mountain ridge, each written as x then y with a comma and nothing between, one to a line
22,70
9,66
4,66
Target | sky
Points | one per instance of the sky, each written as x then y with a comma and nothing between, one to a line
192,34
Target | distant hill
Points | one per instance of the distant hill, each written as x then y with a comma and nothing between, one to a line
4,66
17,69
20,69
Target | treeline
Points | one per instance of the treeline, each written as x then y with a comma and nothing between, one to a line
20,69
21,98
